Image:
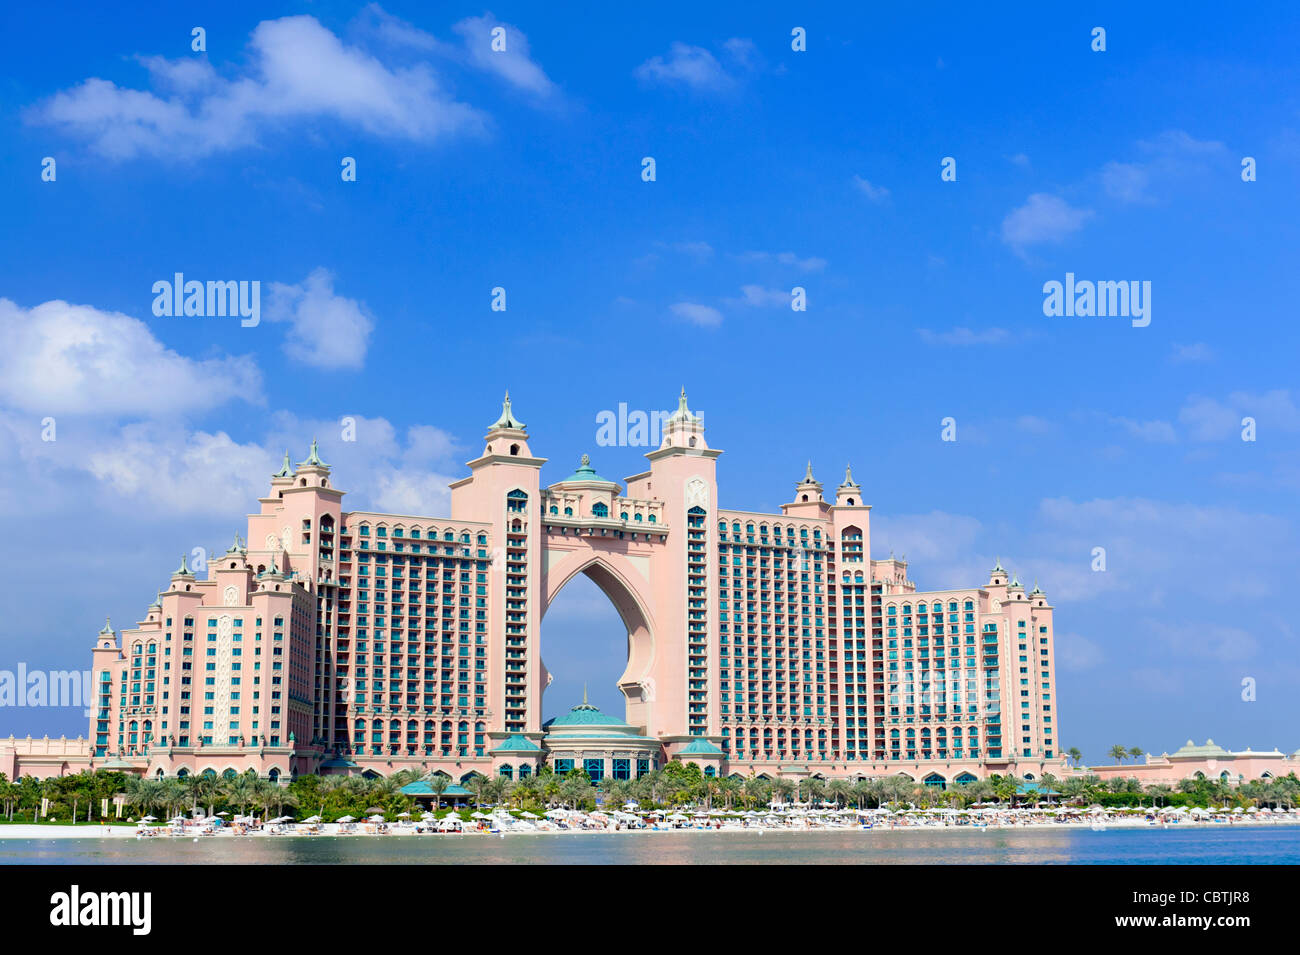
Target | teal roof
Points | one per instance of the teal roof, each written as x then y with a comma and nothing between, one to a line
313,458
507,419
584,714
1210,749
1034,789
336,762
586,472
518,744
422,788
701,747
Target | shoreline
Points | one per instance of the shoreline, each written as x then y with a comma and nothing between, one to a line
36,832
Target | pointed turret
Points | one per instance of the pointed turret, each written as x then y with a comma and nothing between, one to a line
809,489
683,428
313,458
507,421
997,576
107,630
182,570
849,493
286,470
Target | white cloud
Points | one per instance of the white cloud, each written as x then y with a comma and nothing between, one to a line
876,194
1125,181
965,336
326,330
696,314
758,296
64,358
1180,142
1160,432
1208,419
1075,652
1042,218
689,66
396,31
180,473
296,70
1195,352
514,64
810,263
697,250
695,68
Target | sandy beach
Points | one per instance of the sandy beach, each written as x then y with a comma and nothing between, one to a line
498,827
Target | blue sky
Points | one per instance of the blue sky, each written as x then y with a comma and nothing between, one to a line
774,169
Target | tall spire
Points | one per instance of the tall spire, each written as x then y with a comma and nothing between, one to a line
313,458
507,419
683,412
285,469
182,571
848,477
808,479
108,627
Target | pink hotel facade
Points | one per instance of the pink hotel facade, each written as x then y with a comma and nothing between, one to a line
351,641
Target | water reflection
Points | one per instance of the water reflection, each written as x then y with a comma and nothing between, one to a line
1272,845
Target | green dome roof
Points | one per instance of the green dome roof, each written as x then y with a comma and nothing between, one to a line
518,744
584,714
701,747
586,472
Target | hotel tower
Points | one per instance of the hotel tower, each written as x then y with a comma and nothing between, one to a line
330,640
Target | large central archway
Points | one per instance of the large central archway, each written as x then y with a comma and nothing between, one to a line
625,584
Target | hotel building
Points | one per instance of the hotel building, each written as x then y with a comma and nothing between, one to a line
330,640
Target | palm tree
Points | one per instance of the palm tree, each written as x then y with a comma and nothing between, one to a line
1117,753
1075,756
205,788
1135,752
438,784
839,790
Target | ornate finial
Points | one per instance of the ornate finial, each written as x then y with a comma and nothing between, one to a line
507,419
997,565
586,461
108,627
182,571
313,458
285,469
584,694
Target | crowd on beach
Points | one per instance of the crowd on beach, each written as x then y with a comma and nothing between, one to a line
778,818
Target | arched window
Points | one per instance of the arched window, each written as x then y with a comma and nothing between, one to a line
600,509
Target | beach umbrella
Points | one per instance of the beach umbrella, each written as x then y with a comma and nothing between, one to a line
147,819
347,818
528,815
223,813
403,815
376,818
312,819
375,809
